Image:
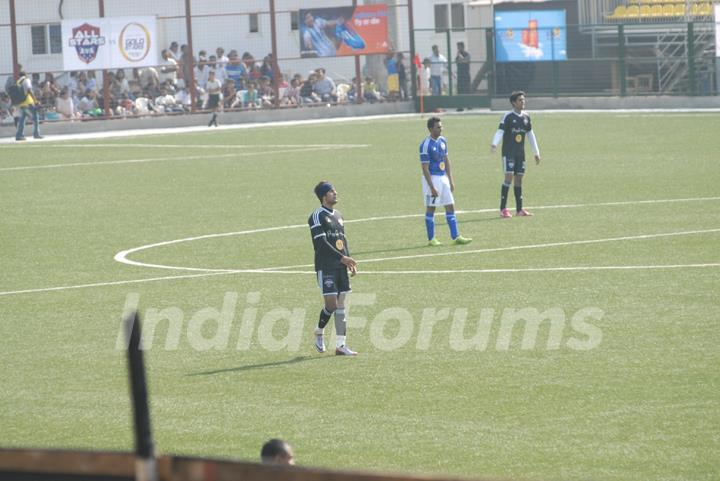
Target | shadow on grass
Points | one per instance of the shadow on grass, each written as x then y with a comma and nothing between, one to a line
483,219
424,245
250,367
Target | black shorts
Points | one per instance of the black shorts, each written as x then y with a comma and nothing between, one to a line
334,282
514,165
213,101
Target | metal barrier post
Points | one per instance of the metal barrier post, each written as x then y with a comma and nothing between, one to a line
358,72
190,83
413,67
275,67
691,57
490,42
449,62
13,40
621,60
107,111
555,66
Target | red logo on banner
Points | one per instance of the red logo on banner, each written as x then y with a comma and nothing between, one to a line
87,40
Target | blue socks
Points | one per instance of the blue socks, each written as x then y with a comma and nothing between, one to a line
430,226
452,224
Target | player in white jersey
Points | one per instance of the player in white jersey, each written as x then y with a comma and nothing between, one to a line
514,127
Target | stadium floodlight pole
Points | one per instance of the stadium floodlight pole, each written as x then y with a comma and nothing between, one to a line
145,465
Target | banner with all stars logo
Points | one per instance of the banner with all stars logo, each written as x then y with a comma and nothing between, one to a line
109,43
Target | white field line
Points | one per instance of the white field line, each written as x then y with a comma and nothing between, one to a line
506,270
10,141
404,272
511,248
163,159
188,146
122,256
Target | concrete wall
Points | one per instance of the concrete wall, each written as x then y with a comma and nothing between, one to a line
228,118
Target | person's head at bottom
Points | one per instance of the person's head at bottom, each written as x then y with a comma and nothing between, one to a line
277,451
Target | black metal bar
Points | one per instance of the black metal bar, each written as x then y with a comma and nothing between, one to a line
145,466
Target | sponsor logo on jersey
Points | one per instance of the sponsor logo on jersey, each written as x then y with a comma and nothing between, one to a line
518,138
328,282
441,166
339,244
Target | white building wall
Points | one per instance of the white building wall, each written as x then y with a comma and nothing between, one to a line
230,31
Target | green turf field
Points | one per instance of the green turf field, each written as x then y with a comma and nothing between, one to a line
621,381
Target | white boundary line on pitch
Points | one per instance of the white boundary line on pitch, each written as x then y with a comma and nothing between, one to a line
505,249
196,146
460,271
518,270
276,270
175,158
283,123
122,256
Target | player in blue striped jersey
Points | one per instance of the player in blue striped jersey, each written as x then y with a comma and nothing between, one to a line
315,39
332,262
437,183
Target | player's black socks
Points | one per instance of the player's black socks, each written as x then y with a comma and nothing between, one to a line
324,318
504,195
518,197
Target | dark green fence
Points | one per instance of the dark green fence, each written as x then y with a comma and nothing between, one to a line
599,60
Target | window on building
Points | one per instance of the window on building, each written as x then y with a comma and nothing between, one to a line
39,39
46,39
294,20
55,32
458,16
441,17
254,23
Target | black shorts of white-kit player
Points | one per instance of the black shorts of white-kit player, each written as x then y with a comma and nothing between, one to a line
514,165
328,233
334,281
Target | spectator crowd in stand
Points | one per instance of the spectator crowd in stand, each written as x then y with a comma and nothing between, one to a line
244,83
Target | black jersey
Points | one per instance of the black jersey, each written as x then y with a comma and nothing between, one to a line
328,235
515,127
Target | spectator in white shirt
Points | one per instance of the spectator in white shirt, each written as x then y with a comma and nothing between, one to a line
438,65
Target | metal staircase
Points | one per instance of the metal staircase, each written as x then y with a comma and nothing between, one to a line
673,69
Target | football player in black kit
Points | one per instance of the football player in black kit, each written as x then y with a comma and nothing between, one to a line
514,127
332,262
